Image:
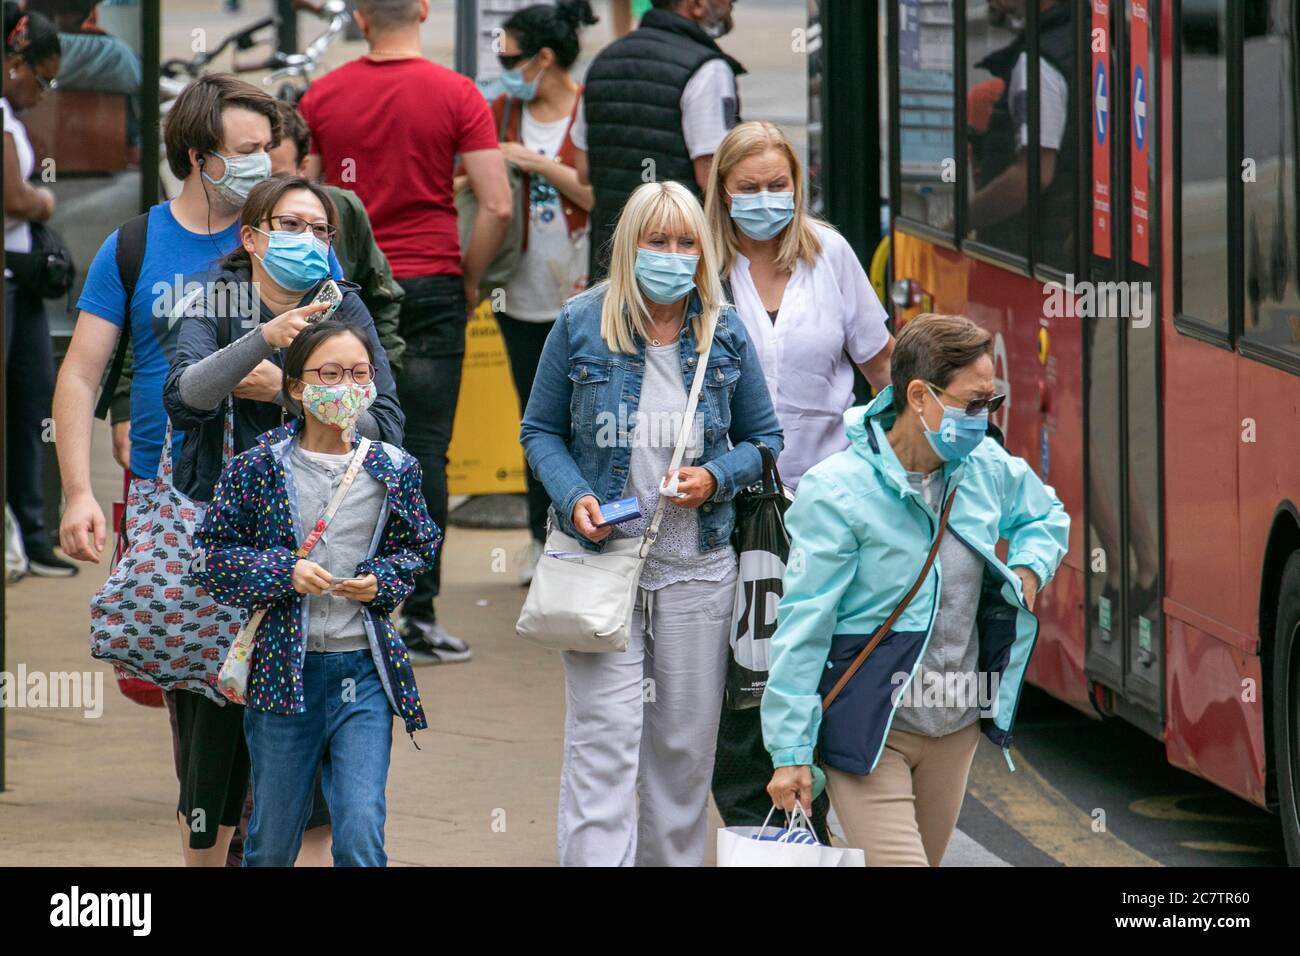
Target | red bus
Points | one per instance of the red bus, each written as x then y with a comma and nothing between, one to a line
1139,271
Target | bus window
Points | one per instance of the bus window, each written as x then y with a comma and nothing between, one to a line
996,125
1271,304
1203,196
1058,164
926,149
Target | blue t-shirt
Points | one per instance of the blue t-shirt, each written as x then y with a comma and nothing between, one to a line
171,253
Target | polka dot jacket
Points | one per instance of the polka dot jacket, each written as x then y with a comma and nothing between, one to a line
247,541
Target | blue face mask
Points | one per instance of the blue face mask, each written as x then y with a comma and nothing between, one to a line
513,82
665,276
959,434
762,215
241,174
295,261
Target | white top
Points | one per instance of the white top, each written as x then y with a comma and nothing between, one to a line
554,266
708,110
829,315
18,232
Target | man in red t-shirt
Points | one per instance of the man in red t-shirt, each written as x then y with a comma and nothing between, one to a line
389,126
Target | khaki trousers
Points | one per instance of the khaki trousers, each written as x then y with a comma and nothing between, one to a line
903,812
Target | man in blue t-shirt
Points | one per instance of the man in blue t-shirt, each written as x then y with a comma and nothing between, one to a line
218,135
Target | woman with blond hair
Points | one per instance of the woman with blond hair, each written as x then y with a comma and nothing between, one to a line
799,290
601,424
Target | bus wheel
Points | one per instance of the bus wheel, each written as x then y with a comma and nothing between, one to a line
1286,707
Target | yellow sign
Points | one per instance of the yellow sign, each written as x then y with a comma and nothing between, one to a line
485,454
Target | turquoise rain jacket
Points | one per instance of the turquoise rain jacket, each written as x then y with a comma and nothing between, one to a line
859,535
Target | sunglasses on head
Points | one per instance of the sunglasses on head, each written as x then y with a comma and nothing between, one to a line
975,405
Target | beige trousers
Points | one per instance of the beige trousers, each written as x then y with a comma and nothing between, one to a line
903,812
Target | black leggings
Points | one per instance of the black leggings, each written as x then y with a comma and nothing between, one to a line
29,389
524,341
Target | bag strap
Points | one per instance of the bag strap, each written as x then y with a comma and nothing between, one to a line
692,400
354,467
898,611
131,239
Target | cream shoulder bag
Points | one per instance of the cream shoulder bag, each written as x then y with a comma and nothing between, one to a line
583,601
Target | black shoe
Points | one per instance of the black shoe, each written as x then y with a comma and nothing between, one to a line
428,643
44,563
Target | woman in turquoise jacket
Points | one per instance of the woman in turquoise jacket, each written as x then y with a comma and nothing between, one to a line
898,741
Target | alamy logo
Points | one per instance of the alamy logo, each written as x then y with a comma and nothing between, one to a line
82,690
75,908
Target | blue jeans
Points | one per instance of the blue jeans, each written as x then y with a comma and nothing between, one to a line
347,731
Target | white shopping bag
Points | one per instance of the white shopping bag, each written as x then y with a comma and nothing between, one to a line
792,845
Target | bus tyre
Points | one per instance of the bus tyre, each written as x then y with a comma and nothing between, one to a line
1286,707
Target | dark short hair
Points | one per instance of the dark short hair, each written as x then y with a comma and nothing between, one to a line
260,204
295,358
294,128
552,26
195,119
388,14
36,42
934,348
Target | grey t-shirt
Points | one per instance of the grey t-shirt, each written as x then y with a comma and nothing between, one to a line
953,652
336,623
676,553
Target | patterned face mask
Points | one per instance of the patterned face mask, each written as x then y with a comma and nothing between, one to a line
338,405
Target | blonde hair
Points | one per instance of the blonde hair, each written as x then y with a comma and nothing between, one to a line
799,239
669,207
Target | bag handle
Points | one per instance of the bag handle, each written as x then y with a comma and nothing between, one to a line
898,611
326,516
692,401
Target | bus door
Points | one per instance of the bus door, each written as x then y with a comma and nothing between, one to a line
1125,634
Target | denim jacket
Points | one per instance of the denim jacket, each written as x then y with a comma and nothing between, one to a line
575,405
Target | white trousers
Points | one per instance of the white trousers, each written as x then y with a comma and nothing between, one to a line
641,728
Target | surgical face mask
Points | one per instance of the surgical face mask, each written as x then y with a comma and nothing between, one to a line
959,433
762,215
241,175
665,276
516,86
338,405
295,261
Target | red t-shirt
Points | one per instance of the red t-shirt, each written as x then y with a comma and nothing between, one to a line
390,130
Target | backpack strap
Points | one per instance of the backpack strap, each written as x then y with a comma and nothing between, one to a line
131,239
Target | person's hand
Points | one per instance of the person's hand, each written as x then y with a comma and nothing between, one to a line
1030,581
791,783
122,443
523,157
47,206
586,515
262,384
471,297
310,578
361,589
697,484
81,532
284,328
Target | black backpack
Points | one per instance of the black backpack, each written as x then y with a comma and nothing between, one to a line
131,239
